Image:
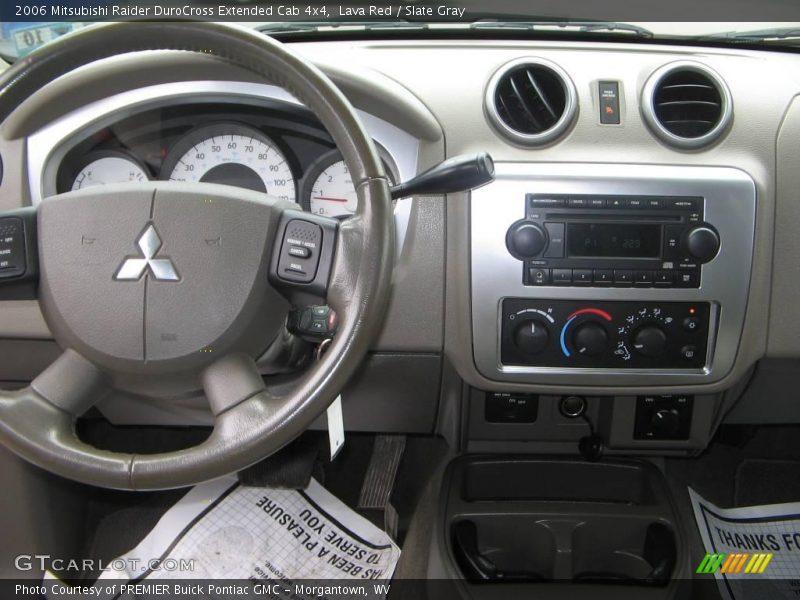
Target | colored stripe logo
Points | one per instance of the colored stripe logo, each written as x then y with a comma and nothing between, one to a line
739,562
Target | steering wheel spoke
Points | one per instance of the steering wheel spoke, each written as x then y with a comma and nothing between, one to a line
38,423
230,381
71,383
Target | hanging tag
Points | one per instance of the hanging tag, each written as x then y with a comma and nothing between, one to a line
335,426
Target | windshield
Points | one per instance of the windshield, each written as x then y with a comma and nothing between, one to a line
20,38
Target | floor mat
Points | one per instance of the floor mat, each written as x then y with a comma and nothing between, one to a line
248,536
767,482
753,552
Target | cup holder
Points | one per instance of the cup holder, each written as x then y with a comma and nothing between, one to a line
503,551
531,548
622,551
561,521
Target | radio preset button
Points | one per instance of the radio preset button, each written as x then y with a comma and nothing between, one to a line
562,276
643,278
623,277
664,279
582,276
555,231
603,276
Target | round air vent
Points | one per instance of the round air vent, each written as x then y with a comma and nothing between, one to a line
531,101
687,104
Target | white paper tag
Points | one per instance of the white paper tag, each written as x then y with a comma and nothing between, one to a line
335,426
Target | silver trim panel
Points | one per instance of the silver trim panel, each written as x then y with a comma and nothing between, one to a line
47,147
730,205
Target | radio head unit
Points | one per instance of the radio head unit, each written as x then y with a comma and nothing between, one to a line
603,240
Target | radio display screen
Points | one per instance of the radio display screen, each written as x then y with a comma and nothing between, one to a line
615,240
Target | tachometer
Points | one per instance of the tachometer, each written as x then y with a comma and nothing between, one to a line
231,154
329,189
109,168
333,193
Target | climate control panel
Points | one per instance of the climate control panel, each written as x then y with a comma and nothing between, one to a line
605,334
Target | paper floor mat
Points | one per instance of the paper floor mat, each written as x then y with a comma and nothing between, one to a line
224,531
753,552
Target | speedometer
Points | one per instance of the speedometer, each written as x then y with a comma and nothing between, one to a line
231,154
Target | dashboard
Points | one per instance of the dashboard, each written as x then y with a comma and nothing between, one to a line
615,155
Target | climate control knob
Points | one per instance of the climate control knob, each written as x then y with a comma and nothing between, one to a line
666,422
702,243
531,336
526,239
650,341
590,339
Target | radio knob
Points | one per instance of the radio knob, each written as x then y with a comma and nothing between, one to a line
531,336
702,243
590,339
525,239
650,341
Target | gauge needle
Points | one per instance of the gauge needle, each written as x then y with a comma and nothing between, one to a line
329,199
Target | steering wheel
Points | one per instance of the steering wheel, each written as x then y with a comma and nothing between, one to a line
189,282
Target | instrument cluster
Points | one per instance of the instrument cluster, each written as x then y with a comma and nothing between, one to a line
282,152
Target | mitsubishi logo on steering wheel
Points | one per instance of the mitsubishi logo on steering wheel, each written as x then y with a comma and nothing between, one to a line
133,267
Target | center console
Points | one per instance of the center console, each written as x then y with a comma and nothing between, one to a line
588,274
521,527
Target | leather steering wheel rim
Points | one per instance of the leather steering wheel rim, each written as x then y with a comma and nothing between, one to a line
37,422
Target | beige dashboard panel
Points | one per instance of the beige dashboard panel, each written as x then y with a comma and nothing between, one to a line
762,88
448,80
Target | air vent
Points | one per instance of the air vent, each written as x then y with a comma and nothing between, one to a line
687,105
531,101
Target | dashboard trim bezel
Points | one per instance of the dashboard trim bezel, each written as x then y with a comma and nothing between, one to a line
495,274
